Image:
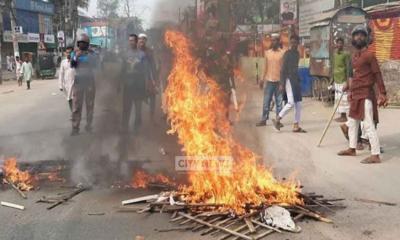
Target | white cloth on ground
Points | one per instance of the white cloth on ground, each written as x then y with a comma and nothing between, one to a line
369,128
290,104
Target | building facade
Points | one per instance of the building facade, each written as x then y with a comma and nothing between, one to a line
35,19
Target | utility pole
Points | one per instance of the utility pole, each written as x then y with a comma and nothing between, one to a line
2,5
13,25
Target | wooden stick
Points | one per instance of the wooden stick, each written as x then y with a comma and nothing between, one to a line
211,221
68,197
23,195
315,201
218,224
266,226
216,227
12,205
312,214
238,229
374,201
140,199
174,229
189,220
248,232
330,121
250,225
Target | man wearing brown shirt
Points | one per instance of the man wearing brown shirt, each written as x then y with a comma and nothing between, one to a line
362,96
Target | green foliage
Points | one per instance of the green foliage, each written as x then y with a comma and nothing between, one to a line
108,8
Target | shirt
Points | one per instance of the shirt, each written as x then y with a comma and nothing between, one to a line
27,71
273,65
366,74
85,66
341,67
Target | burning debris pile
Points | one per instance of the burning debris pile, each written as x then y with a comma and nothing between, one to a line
239,202
142,179
28,179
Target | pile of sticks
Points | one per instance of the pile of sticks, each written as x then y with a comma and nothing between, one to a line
211,219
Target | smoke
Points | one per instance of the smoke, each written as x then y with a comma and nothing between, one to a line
167,11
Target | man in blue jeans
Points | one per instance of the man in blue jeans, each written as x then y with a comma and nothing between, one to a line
272,75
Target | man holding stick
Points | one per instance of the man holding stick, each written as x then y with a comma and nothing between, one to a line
362,96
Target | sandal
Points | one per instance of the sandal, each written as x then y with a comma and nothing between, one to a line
299,130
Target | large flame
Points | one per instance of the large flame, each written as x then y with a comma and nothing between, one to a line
22,179
196,113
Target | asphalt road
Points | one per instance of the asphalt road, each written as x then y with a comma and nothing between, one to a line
34,125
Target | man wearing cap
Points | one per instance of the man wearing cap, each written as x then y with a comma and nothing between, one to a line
271,78
134,74
85,63
151,83
362,96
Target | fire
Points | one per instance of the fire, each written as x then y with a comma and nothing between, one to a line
195,111
22,179
141,179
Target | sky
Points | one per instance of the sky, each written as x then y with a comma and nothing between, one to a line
152,10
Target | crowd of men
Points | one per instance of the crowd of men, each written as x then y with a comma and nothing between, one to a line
138,80
358,84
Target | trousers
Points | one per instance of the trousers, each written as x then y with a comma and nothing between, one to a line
82,94
291,104
369,128
271,90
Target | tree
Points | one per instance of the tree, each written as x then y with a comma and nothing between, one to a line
108,8
128,8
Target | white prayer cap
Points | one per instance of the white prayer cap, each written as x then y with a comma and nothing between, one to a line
275,35
142,35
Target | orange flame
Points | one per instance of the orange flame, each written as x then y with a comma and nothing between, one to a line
141,179
195,111
22,179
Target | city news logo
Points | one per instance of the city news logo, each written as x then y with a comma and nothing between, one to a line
221,164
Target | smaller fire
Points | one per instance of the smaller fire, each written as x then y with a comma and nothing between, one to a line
22,179
141,179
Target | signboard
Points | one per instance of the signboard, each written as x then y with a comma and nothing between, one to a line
8,37
60,36
49,38
35,6
309,10
288,12
98,31
18,29
33,37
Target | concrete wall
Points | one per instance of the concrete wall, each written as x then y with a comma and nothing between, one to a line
248,68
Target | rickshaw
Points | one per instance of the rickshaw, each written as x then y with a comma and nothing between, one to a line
325,30
45,67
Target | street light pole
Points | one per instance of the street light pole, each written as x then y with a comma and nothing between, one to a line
2,5
13,25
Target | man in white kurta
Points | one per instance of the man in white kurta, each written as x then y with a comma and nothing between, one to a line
66,77
27,72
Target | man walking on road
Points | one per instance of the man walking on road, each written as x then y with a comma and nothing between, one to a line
151,85
18,66
85,63
27,71
341,72
362,96
271,79
290,85
134,73
66,76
